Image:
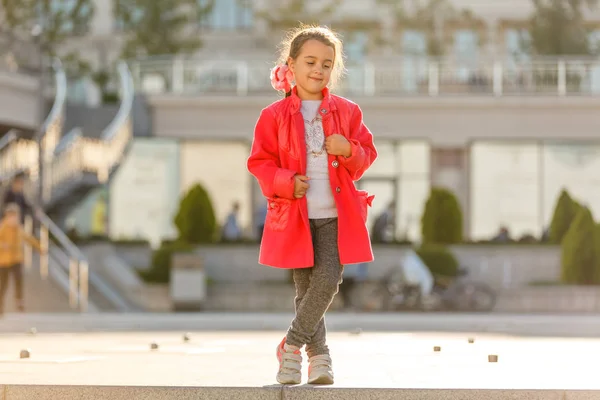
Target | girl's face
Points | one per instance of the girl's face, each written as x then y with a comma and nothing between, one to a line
312,69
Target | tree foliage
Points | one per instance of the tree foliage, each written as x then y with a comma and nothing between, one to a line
557,27
58,20
162,27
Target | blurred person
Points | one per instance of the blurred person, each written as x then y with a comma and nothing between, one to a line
231,228
261,216
384,227
15,195
12,237
315,220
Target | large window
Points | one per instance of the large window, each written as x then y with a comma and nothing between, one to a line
466,49
516,184
414,59
400,174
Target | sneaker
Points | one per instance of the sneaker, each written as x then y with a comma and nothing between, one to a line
290,364
319,370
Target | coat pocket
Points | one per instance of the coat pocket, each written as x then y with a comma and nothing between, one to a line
364,200
278,213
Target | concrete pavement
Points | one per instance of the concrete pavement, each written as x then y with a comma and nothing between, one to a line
242,365
231,356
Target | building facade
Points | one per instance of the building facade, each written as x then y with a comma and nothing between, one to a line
503,131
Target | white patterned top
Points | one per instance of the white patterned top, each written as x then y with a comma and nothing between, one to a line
319,196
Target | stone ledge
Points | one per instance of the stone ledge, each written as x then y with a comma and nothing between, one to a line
277,392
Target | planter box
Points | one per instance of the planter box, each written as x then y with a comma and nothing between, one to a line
188,282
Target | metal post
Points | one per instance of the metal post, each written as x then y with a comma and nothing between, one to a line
28,254
38,38
44,242
73,284
83,285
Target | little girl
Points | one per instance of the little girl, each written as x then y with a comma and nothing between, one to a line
308,150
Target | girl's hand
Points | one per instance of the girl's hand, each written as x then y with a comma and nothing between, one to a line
338,145
300,185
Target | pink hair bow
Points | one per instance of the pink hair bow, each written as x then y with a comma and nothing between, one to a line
281,78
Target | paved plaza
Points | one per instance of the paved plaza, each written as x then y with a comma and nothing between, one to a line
158,360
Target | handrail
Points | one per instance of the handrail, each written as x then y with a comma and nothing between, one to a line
126,103
67,140
8,138
60,96
60,236
78,267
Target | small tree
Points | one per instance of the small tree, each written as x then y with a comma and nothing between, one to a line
442,221
579,250
439,259
564,213
195,220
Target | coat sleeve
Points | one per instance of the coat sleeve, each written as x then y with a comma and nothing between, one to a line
363,150
264,161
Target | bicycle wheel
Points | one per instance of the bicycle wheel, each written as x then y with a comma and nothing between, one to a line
474,296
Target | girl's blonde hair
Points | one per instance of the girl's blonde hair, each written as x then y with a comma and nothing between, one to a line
295,39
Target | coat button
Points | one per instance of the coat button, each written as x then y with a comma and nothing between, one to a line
335,163
324,111
338,189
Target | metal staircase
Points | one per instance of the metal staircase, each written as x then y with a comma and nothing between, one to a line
72,165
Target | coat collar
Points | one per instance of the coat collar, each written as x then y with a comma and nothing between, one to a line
327,105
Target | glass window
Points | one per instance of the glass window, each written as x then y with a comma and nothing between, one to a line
574,167
466,47
505,189
228,15
414,61
400,174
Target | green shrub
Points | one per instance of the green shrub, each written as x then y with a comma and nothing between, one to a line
579,250
564,213
195,220
442,220
439,259
160,270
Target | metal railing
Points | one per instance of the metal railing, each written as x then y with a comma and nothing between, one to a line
76,154
77,268
64,160
400,76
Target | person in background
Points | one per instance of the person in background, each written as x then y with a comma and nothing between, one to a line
14,195
261,216
231,228
384,227
12,236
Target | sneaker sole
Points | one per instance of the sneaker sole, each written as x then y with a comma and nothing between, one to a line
321,380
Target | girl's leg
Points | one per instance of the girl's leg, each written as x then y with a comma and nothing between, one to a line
308,325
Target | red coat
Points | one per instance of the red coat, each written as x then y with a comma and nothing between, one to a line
279,153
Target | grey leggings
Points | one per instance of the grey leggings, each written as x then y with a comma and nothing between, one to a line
315,289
